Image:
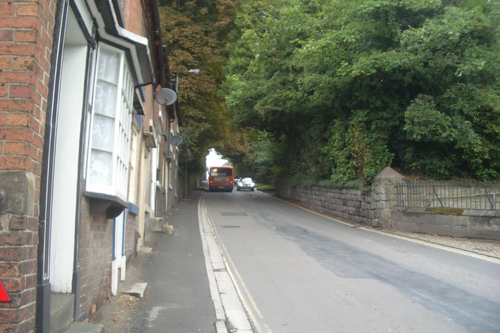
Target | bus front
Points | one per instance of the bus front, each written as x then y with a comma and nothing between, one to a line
221,179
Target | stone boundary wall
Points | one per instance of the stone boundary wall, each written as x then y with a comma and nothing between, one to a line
348,204
462,223
378,208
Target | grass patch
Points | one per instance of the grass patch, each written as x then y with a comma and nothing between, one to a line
445,211
262,187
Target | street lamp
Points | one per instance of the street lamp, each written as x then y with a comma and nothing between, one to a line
192,71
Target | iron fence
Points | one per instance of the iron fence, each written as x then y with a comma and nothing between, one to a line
461,195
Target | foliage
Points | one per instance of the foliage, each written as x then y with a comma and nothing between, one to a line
346,88
258,162
196,33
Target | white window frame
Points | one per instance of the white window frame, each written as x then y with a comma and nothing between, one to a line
122,130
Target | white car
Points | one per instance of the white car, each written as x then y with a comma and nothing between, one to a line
245,184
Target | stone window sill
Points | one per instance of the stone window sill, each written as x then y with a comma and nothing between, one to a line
112,205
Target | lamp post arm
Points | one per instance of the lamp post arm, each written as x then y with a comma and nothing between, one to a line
177,83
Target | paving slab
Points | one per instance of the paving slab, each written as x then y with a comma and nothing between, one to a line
136,289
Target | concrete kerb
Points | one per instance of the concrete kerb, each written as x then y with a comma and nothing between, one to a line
206,235
228,306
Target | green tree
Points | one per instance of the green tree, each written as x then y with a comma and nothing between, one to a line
348,87
196,33
259,160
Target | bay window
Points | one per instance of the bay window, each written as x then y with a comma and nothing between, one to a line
108,165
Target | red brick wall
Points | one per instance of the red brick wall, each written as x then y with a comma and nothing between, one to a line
26,29
96,254
132,12
138,14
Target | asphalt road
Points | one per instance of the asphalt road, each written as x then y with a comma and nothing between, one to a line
297,271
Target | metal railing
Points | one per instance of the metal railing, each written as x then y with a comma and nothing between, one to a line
460,195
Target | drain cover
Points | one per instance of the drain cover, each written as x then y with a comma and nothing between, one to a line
230,226
233,214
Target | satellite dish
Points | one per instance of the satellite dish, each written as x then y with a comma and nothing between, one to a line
176,140
165,96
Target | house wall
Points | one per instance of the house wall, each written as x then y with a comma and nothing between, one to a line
26,42
25,51
96,254
133,13
145,167
96,242
131,236
172,191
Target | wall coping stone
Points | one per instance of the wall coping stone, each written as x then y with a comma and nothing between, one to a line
390,174
485,213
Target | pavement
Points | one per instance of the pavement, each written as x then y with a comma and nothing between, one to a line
179,282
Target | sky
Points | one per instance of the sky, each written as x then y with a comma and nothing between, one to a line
214,159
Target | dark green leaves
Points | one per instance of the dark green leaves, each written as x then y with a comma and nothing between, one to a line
360,85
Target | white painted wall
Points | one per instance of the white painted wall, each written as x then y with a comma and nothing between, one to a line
62,244
154,166
119,263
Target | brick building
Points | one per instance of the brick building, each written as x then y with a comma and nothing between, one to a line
85,155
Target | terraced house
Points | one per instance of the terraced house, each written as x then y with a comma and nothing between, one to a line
85,156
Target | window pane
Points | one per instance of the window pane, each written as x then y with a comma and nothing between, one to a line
124,130
100,171
103,124
109,62
102,133
221,172
111,125
105,98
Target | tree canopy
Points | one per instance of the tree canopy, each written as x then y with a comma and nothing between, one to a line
196,34
344,88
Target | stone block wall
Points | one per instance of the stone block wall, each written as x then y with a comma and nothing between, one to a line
379,207
348,204
371,208
461,223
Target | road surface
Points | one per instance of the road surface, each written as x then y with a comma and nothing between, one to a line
297,271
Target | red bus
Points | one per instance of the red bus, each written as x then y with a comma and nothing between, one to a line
221,179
